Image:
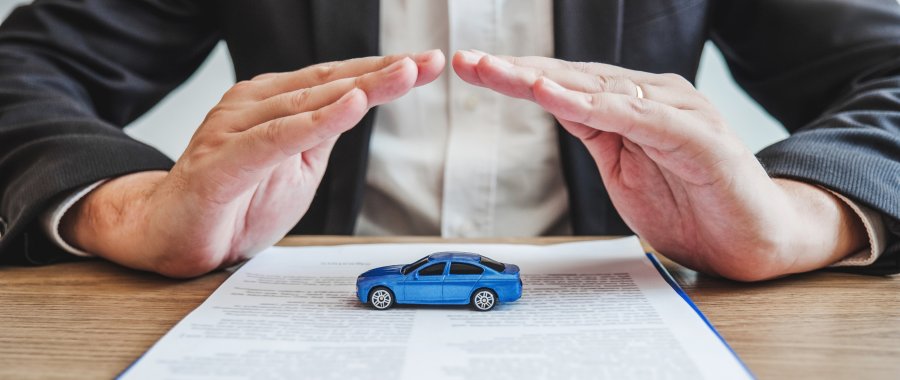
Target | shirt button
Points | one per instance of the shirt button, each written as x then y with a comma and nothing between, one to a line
470,103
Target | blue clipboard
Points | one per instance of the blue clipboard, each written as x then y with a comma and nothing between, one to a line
671,280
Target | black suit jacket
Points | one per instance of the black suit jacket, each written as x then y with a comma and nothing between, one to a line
73,73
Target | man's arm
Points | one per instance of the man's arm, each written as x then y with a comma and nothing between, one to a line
684,182
679,177
248,175
72,74
830,72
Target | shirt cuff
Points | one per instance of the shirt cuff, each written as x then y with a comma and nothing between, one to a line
875,231
51,218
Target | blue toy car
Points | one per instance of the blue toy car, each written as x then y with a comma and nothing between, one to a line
455,278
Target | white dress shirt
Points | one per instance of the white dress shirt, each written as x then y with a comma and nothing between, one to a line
452,159
457,160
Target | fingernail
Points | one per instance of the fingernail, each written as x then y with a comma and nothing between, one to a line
424,57
349,95
469,57
394,67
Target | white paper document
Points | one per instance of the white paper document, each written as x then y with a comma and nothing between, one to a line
589,310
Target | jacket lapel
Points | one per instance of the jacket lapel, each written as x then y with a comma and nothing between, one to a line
587,31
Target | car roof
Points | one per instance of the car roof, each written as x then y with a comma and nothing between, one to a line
456,256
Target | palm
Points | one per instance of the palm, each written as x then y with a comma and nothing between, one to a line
276,203
675,201
239,215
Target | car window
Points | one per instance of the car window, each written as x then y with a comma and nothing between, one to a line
433,269
411,267
463,268
497,266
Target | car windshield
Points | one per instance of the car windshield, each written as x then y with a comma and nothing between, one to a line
411,267
497,266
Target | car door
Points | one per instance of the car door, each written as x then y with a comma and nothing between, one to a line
460,281
424,285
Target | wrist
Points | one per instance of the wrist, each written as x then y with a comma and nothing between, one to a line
824,228
110,220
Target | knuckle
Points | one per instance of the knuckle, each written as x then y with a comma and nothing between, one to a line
219,110
716,122
218,116
262,76
537,73
240,89
298,100
270,132
676,80
602,83
271,136
207,142
316,117
641,106
582,67
596,104
387,60
322,73
359,82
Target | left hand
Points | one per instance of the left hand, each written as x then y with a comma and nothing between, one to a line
679,177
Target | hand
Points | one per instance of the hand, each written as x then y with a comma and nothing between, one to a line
249,173
675,172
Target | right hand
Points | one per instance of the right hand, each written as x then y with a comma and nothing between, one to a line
249,173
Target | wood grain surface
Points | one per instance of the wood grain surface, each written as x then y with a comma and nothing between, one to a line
92,319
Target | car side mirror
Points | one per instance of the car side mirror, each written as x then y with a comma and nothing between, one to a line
416,276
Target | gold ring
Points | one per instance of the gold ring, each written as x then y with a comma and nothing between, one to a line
640,91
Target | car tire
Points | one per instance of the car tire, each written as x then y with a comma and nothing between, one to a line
483,299
381,298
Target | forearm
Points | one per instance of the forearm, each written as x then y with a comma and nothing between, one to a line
63,101
837,96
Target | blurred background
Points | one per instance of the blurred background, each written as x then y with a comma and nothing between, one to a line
169,125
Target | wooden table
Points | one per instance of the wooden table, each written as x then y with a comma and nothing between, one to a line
92,319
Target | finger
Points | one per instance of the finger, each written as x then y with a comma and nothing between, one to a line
652,81
429,64
513,80
274,141
506,78
643,121
465,61
380,87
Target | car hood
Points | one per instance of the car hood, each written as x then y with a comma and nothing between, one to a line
383,271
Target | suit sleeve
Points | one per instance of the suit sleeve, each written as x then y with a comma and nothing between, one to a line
829,70
72,74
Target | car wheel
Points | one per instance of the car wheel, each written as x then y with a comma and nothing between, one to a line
484,299
381,298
